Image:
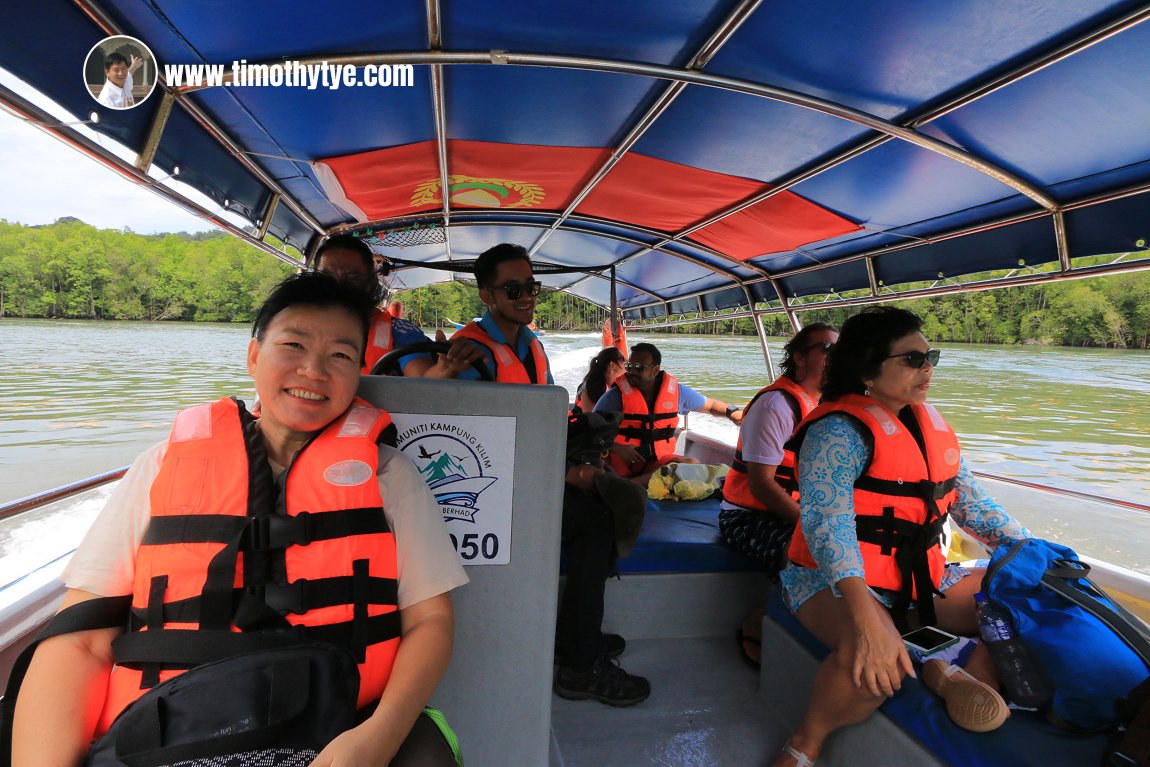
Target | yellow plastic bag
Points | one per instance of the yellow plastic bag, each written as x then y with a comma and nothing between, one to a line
685,481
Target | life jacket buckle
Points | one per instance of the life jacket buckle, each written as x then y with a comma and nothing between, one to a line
286,598
259,534
279,532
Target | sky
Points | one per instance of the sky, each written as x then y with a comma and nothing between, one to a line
44,179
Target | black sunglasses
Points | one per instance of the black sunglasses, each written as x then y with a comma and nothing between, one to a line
826,346
917,359
514,290
631,367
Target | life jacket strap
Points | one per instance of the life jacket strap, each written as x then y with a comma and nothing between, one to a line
925,489
909,543
265,533
650,417
297,597
647,434
185,648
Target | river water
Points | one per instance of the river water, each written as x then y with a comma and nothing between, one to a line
78,398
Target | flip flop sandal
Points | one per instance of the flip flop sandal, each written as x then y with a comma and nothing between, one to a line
744,641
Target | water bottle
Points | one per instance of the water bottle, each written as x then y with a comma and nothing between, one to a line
1021,676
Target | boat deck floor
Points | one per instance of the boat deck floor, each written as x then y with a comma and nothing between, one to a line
704,711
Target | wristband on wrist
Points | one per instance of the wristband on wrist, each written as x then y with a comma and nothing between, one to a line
731,410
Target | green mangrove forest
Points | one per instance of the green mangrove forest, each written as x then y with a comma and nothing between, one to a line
71,270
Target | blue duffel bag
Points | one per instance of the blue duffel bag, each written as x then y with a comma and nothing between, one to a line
1091,648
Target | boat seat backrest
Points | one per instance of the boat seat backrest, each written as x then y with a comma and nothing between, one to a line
497,691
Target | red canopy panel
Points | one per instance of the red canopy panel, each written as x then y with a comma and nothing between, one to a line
639,190
670,197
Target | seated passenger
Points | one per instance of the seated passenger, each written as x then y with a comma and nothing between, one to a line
303,451
873,448
585,656
760,498
651,400
602,514
605,369
349,258
509,290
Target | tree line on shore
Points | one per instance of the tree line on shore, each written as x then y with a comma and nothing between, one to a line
72,270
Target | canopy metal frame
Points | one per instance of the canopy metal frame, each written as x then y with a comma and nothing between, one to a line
677,79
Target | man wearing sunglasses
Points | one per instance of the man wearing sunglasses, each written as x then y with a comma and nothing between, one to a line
587,669
760,498
509,290
651,401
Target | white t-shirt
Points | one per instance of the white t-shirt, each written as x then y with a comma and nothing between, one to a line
116,97
427,564
766,427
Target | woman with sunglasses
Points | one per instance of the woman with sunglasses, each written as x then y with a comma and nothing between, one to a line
879,469
606,368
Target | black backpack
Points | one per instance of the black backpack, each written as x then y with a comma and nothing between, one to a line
276,705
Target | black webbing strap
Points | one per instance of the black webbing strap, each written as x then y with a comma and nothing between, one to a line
650,417
647,435
784,475
193,528
177,648
154,621
297,597
102,613
185,648
279,532
266,532
909,543
359,586
926,490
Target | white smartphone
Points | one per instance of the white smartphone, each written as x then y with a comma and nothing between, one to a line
928,639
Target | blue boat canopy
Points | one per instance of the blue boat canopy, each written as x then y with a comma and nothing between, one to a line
712,157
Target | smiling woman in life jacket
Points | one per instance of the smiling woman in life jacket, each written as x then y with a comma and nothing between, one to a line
372,546
879,470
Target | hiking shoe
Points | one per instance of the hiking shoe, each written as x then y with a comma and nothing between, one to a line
606,682
971,704
613,647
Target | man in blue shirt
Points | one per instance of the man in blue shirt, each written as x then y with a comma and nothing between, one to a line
509,290
651,401
584,654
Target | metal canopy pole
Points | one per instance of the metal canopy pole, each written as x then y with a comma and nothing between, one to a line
614,306
761,333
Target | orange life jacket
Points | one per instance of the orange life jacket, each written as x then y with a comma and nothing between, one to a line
737,488
509,368
900,500
379,339
233,560
641,426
